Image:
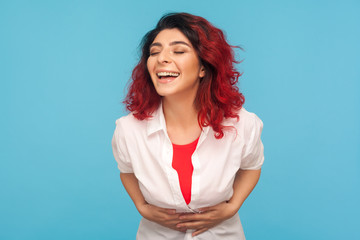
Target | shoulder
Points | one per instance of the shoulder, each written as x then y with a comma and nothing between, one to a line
128,119
129,124
248,119
247,123
245,119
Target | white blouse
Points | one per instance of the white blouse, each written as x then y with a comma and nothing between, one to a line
144,148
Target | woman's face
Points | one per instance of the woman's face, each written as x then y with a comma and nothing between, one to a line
173,65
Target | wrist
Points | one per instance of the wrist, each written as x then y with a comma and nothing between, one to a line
141,207
233,208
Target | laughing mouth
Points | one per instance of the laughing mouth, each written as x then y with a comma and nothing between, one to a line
167,74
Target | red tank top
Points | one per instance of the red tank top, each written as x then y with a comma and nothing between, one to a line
183,165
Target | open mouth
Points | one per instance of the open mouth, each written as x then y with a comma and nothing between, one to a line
162,75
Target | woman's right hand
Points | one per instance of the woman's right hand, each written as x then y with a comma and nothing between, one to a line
163,216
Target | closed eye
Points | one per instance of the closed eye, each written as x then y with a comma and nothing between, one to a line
179,52
154,53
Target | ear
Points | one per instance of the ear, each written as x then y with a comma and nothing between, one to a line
202,72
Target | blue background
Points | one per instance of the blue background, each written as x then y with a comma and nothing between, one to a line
64,66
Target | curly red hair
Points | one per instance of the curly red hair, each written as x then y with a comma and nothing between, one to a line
217,98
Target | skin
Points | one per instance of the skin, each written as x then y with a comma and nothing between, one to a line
171,51
244,183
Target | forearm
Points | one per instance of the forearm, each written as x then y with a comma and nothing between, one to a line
131,185
165,217
244,183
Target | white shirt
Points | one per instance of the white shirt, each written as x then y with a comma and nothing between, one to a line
144,148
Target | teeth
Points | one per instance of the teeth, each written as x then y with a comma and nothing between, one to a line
164,74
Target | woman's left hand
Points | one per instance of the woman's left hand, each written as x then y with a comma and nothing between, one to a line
208,218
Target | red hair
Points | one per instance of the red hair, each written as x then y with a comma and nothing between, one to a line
217,98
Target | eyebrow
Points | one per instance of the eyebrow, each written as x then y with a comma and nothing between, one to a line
171,44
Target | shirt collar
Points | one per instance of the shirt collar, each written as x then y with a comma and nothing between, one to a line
157,121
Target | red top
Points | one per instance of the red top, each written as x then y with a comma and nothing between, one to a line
183,165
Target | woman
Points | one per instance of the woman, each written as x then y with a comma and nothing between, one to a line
188,153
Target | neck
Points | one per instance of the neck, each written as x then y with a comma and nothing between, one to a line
180,112
181,117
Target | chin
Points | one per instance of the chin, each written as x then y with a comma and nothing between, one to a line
165,92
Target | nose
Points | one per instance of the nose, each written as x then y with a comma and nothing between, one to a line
164,57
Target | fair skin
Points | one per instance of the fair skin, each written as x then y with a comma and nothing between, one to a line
209,217
176,71
172,52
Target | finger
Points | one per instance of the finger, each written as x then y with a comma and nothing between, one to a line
172,222
205,209
174,227
163,216
198,231
186,214
177,229
166,210
195,217
192,225
170,217
170,211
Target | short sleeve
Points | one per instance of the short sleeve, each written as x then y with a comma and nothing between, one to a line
253,154
119,148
